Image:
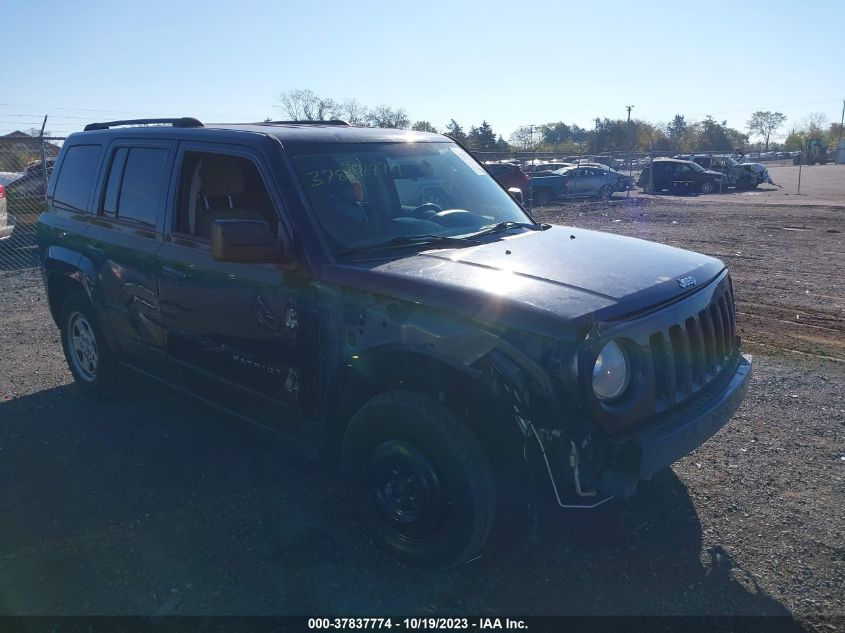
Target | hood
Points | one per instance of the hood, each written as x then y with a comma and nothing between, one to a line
545,281
755,167
715,174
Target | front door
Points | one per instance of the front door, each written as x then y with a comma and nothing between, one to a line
237,324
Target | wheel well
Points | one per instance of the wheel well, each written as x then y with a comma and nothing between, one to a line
58,288
469,396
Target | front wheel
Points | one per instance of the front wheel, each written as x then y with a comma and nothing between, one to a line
708,186
542,197
424,482
87,353
605,193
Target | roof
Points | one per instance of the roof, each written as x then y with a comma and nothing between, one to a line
286,132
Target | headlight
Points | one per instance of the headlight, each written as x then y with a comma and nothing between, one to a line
611,373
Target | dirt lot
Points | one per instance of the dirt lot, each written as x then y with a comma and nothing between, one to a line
157,504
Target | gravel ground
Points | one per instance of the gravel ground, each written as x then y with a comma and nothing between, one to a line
156,504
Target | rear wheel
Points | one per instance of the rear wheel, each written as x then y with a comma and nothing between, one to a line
425,484
87,353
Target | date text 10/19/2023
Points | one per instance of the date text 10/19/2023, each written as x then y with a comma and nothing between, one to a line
413,624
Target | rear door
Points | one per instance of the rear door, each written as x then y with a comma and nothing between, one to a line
123,239
234,330
586,182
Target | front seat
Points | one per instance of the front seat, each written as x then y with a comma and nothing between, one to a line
221,180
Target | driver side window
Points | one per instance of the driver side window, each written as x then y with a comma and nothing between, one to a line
220,186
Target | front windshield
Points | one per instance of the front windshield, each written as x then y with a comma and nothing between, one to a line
730,161
696,166
369,193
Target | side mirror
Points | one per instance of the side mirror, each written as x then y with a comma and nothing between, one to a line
516,194
245,241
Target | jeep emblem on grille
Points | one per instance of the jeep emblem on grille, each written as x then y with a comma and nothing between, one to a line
686,282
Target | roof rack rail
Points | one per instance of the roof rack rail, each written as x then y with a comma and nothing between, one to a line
185,121
306,122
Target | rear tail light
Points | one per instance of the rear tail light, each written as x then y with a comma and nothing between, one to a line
2,191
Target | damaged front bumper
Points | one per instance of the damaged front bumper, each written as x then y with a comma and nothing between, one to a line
666,443
610,467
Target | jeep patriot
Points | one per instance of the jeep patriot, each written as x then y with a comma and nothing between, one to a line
378,297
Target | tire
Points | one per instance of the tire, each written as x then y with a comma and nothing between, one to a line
746,184
424,482
708,186
605,193
542,197
88,356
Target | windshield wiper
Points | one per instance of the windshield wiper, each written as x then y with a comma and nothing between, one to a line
409,240
501,227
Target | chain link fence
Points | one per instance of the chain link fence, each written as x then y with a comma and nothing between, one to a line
26,163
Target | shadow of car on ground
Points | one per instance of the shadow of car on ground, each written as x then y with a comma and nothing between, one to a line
156,501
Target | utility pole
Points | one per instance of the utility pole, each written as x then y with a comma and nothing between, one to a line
631,151
596,148
841,121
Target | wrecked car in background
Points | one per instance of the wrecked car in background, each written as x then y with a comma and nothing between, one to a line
742,176
461,361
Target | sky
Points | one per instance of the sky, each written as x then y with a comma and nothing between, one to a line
509,63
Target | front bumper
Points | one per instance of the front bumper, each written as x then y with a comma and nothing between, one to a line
665,444
617,463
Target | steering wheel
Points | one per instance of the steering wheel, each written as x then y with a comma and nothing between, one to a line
426,210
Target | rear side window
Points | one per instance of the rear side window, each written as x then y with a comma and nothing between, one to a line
136,185
76,178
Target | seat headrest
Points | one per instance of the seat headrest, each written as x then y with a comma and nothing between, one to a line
221,177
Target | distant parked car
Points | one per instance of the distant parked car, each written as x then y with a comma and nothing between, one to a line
580,182
6,227
510,175
742,176
546,168
8,176
679,176
26,195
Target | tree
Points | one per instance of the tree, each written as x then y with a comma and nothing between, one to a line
387,116
482,138
556,133
353,112
526,138
676,129
814,124
718,137
306,105
423,126
456,132
763,123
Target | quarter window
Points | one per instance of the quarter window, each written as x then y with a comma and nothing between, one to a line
76,178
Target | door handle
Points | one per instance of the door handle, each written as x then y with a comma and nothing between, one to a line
95,250
178,275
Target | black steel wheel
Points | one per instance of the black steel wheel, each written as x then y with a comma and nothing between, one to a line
424,482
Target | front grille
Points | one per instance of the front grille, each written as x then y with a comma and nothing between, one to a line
689,354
